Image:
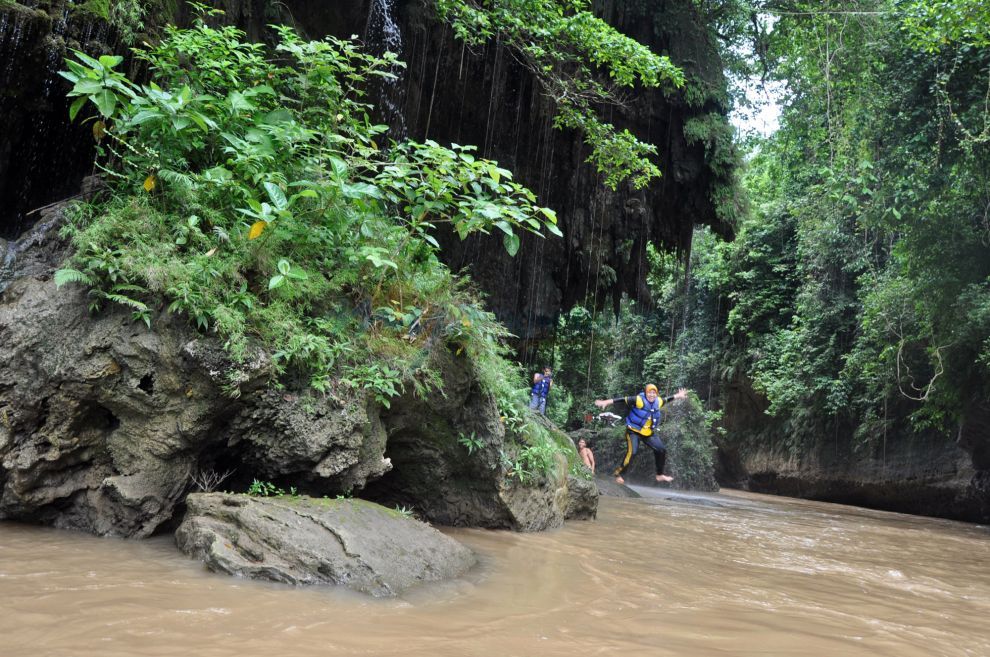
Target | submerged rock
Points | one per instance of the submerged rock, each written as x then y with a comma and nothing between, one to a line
299,540
582,501
608,488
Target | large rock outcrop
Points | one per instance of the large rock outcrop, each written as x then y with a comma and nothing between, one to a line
299,540
106,424
908,471
441,479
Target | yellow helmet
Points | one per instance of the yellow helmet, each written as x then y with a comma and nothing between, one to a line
649,387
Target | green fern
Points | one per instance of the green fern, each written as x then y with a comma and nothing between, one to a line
180,182
127,301
64,276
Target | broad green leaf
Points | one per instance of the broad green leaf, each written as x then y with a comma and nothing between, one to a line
87,86
144,116
76,106
490,211
360,190
278,116
338,167
511,243
109,61
86,59
297,273
239,103
106,102
276,195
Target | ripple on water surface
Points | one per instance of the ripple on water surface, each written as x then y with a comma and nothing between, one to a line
691,575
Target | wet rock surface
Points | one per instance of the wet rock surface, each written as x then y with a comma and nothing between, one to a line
299,540
43,156
483,96
106,424
582,503
445,482
608,487
923,477
905,471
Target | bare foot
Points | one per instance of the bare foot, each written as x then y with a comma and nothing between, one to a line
619,480
664,478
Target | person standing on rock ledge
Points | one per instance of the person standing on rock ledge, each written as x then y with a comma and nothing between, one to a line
541,388
537,395
644,416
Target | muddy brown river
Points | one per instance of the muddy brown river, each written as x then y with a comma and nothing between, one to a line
730,574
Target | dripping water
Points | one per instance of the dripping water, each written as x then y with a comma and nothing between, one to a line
43,156
382,35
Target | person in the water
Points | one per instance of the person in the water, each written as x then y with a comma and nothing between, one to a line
586,454
641,425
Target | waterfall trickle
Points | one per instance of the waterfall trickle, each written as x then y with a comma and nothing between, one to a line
382,35
43,155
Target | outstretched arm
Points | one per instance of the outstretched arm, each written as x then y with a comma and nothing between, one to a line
605,403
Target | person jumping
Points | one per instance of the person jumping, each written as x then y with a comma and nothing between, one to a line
644,416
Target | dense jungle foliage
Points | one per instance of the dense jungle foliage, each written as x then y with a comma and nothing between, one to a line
855,299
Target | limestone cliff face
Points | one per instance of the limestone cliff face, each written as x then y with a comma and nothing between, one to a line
906,471
43,157
484,97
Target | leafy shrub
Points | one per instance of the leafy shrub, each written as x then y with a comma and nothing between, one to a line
249,194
